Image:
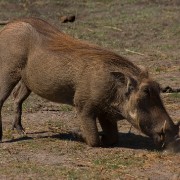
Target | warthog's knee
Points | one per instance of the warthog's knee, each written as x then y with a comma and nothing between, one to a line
93,142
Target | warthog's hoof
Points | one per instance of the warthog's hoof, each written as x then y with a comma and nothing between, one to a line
107,141
19,129
77,134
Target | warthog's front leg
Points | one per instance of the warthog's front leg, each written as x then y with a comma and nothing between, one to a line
20,93
89,126
110,130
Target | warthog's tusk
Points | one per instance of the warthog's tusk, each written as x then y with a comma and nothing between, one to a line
164,126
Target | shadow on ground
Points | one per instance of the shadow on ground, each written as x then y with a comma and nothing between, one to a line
126,140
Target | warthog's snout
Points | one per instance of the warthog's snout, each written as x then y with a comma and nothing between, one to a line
174,146
168,139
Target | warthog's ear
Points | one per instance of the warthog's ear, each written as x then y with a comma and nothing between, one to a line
131,85
120,77
127,80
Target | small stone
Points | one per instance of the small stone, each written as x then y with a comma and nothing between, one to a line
71,18
65,19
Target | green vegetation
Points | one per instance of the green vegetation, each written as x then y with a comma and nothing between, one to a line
175,95
115,161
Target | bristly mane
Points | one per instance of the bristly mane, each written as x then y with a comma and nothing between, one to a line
61,42
58,41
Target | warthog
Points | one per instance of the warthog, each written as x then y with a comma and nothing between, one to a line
99,83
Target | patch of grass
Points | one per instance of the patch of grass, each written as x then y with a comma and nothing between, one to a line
57,126
175,95
32,169
65,108
8,133
166,47
72,175
117,161
158,69
26,106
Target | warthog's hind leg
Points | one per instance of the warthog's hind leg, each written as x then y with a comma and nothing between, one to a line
6,86
20,94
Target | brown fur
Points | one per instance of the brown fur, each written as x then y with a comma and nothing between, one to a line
98,82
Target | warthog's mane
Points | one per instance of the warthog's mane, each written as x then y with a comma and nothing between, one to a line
60,42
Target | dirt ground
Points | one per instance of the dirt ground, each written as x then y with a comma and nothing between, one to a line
145,31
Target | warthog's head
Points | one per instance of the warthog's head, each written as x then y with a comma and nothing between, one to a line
141,105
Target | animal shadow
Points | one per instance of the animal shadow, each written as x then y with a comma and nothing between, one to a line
126,140
134,141
24,138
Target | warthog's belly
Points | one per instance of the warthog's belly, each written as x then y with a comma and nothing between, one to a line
50,79
53,92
